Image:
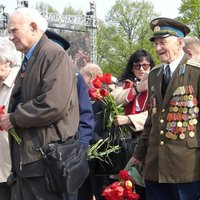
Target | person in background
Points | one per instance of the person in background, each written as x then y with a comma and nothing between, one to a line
192,47
94,184
133,95
43,105
169,143
9,60
86,118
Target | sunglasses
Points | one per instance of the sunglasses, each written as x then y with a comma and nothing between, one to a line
138,66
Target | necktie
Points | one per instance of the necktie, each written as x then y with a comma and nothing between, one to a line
166,79
23,67
167,75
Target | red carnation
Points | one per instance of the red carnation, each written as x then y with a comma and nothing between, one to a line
93,93
106,78
97,83
123,175
104,92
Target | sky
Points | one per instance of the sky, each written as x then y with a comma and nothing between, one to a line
167,8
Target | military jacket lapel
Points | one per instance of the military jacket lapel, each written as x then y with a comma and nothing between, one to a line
177,80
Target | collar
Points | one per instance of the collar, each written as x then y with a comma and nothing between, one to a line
173,65
9,80
30,51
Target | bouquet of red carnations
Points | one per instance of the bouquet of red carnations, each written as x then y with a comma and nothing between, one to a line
122,190
101,91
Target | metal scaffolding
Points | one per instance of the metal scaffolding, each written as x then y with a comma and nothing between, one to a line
77,23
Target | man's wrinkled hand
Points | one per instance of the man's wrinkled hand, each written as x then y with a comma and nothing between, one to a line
134,161
5,122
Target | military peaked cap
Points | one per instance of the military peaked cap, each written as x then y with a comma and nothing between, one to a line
165,27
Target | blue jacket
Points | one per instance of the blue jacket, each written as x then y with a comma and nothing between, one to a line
86,123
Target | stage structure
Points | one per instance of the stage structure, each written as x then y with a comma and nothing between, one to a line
80,30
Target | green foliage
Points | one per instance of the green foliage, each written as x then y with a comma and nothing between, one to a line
45,7
71,11
126,30
190,12
96,151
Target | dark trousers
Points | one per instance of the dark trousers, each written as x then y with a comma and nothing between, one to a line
93,185
33,188
4,191
73,196
141,191
169,191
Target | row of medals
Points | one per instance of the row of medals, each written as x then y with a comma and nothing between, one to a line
182,116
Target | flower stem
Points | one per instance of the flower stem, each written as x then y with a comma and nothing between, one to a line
14,134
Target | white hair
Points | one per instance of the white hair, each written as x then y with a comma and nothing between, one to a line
8,52
32,15
92,69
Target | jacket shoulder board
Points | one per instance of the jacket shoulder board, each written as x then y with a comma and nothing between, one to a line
194,62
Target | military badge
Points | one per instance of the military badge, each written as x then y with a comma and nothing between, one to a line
154,22
183,114
156,28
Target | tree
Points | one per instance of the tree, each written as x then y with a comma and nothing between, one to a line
190,11
71,11
127,29
45,8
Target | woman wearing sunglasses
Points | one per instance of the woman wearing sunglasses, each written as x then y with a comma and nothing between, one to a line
133,95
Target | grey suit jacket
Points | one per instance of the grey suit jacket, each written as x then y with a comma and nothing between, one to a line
49,100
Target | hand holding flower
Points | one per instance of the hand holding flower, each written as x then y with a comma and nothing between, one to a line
5,122
6,125
134,161
120,120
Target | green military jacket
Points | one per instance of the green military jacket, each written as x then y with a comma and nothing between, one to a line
170,142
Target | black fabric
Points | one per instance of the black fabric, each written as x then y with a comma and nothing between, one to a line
64,161
166,79
33,188
116,161
94,185
4,191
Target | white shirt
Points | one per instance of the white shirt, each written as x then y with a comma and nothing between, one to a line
173,65
5,92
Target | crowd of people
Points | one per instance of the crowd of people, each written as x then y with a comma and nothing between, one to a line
44,99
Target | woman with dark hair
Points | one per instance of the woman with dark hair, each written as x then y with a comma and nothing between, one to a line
132,93
138,57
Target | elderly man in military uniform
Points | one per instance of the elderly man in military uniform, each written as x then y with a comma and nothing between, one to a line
170,142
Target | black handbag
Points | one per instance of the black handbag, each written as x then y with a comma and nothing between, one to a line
116,160
64,160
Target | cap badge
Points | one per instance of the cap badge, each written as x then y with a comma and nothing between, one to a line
156,28
154,22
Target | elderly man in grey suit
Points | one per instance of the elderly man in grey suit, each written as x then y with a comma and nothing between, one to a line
43,105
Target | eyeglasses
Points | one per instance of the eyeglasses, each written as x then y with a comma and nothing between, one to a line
138,66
